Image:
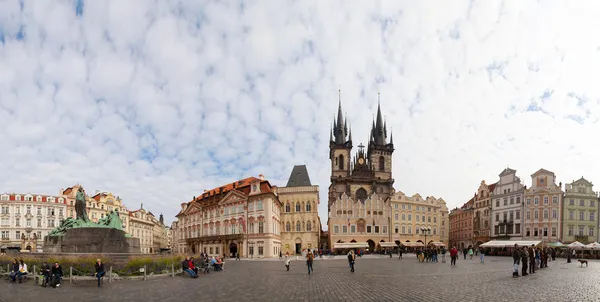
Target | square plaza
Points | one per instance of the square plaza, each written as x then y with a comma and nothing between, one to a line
375,279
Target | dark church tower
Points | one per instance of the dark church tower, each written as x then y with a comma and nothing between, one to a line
370,171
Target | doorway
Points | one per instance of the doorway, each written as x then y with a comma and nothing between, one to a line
298,248
233,248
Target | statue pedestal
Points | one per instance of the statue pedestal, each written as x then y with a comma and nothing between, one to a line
92,240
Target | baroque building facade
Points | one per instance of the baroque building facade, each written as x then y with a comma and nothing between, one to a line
543,208
241,217
300,217
413,214
482,212
507,206
26,218
361,186
580,212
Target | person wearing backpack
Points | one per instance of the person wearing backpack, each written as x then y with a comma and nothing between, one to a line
351,259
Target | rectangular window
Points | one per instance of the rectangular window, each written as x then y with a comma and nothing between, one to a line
580,230
403,217
536,214
545,213
336,229
511,216
592,203
344,229
536,200
554,199
396,229
497,217
259,207
409,217
409,229
396,216
518,215
528,201
518,228
571,202
403,229
376,229
528,215
353,228
535,232
591,231
545,199
384,229
260,250
518,199
570,231
555,214
581,215
527,232
553,231
582,203
369,229
497,203
545,232
505,201
592,216
396,206
403,206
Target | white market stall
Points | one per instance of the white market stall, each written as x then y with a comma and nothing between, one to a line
576,245
388,244
509,243
350,245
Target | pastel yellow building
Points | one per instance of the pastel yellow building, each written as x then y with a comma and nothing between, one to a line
300,217
413,214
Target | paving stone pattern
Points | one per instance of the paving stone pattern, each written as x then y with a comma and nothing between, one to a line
382,279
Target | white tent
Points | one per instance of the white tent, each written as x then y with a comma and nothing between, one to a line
509,243
413,244
576,245
388,244
350,245
593,246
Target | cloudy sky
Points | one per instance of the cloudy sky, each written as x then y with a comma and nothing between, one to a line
156,101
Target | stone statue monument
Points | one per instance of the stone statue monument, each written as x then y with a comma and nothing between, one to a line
80,205
81,235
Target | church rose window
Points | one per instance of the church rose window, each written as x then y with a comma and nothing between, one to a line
361,194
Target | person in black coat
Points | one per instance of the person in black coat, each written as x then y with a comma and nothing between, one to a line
516,260
46,273
57,273
100,272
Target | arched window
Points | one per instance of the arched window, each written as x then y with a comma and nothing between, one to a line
298,226
298,207
288,227
308,206
308,226
287,207
381,163
341,162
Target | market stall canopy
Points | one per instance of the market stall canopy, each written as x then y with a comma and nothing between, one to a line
593,246
350,245
576,245
388,244
509,243
438,244
412,244
556,244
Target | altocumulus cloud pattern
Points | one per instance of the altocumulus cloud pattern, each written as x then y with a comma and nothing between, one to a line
158,100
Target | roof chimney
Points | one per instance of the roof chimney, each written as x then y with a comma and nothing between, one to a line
261,177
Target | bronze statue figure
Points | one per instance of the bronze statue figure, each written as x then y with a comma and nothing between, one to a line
80,206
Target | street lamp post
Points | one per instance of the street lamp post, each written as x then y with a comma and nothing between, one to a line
425,230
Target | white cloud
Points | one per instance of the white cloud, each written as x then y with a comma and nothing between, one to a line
156,101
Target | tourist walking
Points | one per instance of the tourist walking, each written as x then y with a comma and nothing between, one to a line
309,261
532,260
516,259
351,260
453,255
470,253
443,251
465,252
399,253
481,254
287,261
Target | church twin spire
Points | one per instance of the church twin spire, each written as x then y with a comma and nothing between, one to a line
341,134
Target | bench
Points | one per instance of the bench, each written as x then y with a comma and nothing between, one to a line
24,278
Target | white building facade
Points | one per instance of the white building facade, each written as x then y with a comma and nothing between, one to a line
26,218
508,206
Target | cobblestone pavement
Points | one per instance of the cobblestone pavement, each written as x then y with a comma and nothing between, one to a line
374,280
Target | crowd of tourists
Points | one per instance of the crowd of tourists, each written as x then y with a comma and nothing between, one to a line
51,274
188,265
531,258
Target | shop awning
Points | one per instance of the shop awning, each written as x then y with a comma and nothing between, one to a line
438,244
350,245
412,244
509,243
388,244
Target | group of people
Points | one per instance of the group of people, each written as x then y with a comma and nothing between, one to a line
51,274
189,266
310,257
531,258
430,254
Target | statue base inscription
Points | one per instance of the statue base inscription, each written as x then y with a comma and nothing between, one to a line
92,240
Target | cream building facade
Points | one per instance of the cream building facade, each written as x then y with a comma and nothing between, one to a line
300,217
411,214
26,218
142,226
543,208
507,206
241,217
580,212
